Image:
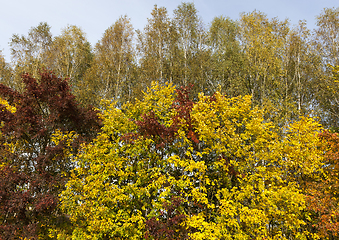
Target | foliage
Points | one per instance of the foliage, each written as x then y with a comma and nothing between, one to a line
70,56
191,53
169,225
41,128
227,57
234,175
154,47
30,53
284,69
111,72
6,73
322,196
244,164
326,43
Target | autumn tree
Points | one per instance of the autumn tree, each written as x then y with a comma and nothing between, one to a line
216,160
30,53
322,198
263,41
232,154
111,75
322,194
154,43
293,87
327,37
70,56
40,128
297,84
6,73
227,58
190,50
326,44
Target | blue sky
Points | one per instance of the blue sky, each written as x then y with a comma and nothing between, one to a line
94,17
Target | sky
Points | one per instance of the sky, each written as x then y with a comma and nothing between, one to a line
95,16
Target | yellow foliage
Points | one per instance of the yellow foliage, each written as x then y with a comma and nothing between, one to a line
10,108
238,180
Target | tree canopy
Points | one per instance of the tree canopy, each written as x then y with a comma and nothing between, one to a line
179,130
230,173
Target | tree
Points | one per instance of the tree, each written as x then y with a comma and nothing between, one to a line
213,165
70,56
37,139
154,46
30,53
111,74
226,59
322,194
190,49
6,73
322,198
326,44
297,87
263,41
327,37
